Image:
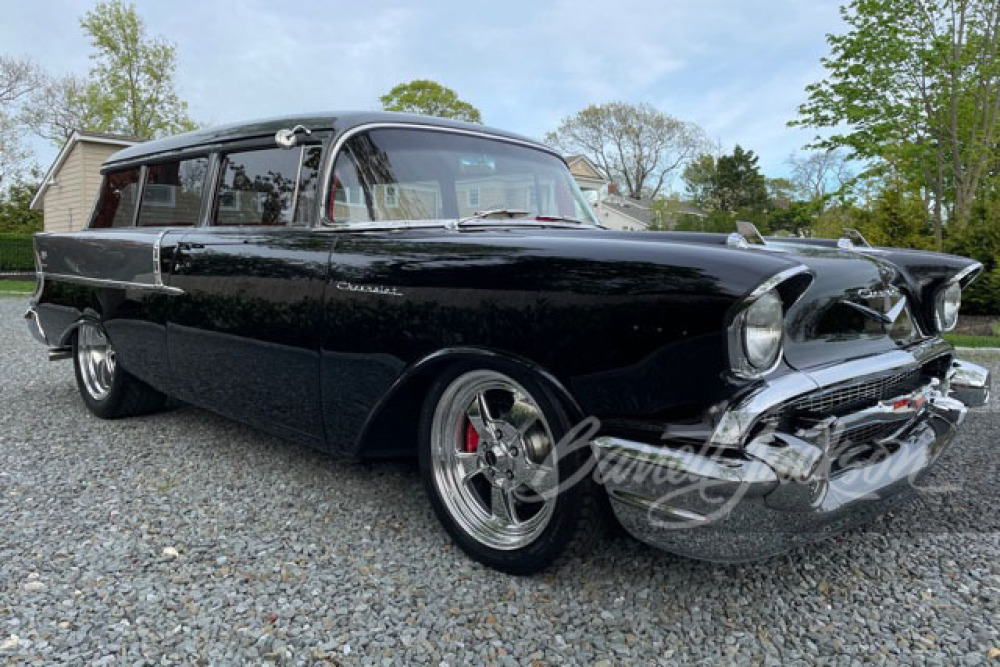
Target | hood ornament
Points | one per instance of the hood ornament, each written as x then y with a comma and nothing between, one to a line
893,303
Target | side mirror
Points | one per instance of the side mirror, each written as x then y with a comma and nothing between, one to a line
286,138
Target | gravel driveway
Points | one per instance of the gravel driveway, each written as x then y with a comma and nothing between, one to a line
185,537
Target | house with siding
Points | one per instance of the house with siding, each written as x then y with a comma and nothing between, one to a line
71,184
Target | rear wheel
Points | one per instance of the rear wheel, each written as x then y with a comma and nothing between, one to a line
492,471
108,389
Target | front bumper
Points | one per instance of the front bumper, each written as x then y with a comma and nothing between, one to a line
761,483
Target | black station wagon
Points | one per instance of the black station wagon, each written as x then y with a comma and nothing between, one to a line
385,285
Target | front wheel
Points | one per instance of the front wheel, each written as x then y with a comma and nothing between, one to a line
491,467
108,389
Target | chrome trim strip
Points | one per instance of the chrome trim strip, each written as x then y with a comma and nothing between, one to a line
772,282
325,223
119,284
157,271
971,272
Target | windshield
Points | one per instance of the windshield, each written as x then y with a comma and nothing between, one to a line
416,174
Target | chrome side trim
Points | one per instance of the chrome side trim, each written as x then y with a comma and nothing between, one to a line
157,271
119,284
325,223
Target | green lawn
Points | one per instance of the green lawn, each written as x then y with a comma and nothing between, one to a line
17,286
970,340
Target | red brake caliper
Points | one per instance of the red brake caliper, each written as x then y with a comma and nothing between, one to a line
471,437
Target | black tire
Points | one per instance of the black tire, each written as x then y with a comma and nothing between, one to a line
580,515
125,395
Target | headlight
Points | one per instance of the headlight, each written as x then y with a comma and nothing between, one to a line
762,325
946,306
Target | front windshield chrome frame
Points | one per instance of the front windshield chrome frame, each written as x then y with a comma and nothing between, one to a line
323,219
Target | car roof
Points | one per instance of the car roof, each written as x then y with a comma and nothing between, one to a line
338,122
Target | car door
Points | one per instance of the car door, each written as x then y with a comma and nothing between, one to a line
243,338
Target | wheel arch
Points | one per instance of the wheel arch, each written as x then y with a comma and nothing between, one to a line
390,431
88,316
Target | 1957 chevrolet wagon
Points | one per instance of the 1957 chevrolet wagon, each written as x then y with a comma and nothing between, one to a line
384,285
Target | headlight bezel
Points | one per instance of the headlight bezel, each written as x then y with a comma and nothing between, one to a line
764,316
787,286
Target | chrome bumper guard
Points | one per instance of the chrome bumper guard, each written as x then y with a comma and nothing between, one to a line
779,489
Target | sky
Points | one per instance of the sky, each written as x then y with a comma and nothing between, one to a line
738,68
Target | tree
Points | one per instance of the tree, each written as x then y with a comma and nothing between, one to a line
430,99
738,183
636,146
131,88
915,86
699,180
818,175
15,207
60,106
18,78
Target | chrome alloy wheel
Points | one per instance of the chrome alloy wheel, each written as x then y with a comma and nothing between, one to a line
493,460
96,357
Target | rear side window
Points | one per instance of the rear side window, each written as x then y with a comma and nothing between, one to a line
272,187
173,193
116,203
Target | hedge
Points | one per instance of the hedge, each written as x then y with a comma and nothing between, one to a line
16,252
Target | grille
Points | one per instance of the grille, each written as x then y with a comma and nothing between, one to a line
853,396
869,433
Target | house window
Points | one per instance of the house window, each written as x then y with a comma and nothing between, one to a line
391,196
173,193
472,197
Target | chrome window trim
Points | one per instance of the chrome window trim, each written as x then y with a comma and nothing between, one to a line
323,221
119,284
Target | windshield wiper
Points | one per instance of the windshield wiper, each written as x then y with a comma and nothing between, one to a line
494,213
516,213
559,218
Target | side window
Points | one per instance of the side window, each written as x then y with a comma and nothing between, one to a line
116,203
173,193
272,187
348,201
403,184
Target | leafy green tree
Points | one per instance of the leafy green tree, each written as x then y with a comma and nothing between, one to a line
16,215
430,99
699,180
636,146
131,89
914,85
738,183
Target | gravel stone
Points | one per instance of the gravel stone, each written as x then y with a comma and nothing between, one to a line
291,556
